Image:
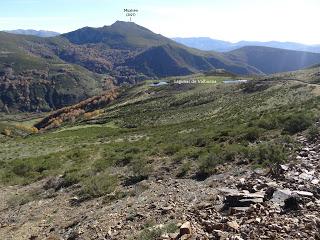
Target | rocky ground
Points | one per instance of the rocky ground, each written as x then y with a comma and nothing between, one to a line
282,202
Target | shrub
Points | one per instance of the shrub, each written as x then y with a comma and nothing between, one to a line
21,169
268,123
150,234
23,198
200,142
171,228
207,165
102,164
287,140
313,133
171,149
133,150
7,132
99,185
297,123
140,171
123,160
269,153
252,134
254,86
89,115
26,170
74,175
187,153
184,169
229,155
141,168
27,128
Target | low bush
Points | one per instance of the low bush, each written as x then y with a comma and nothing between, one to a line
99,185
207,165
191,153
229,154
171,149
252,134
152,233
313,133
200,142
184,169
7,132
75,175
296,123
268,123
24,171
103,163
268,153
23,198
124,159
140,168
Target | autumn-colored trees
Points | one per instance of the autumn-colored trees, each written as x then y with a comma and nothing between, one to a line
88,108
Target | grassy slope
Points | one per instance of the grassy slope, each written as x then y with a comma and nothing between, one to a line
309,75
11,54
273,60
191,128
177,60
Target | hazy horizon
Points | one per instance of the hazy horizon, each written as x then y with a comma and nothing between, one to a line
228,20
233,42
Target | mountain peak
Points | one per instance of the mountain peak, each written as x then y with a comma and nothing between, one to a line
123,25
119,35
119,23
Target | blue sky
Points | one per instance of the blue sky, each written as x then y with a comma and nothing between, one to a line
231,20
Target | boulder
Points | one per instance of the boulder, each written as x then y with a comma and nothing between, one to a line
233,225
291,203
306,176
280,196
303,193
185,229
242,199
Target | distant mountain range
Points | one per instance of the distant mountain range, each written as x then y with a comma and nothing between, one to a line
273,60
40,33
150,54
209,44
38,73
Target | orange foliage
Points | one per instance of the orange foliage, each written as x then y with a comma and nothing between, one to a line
89,115
6,132
88,108
27,129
